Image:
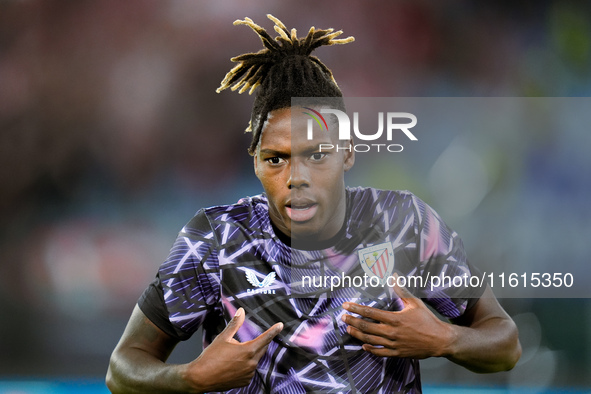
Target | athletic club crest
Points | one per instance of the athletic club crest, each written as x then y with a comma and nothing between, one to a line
377,260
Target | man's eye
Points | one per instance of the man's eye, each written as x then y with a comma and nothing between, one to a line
318,156
274,160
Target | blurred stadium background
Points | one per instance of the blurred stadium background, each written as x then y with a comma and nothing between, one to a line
112,136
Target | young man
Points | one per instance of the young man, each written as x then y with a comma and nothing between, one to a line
240,270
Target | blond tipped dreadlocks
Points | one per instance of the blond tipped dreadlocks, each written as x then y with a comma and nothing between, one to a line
282,70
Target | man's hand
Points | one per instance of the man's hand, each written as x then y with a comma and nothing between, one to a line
138,363
484,339
227,363
412,332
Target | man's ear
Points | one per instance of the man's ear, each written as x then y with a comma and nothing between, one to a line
349,156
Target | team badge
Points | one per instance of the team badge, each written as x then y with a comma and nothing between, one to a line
377,260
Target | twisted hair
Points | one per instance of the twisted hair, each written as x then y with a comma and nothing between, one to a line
283,69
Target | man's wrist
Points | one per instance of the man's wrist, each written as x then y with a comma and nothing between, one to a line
187,374
449,340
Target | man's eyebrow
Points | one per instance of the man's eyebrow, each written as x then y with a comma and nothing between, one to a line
313,149
273,152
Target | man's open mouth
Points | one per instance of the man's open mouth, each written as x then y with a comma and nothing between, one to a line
301,211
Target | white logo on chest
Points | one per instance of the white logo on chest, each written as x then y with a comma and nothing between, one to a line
260,287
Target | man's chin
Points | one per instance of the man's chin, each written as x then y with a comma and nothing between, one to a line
305,231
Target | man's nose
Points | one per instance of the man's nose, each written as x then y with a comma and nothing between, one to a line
299,176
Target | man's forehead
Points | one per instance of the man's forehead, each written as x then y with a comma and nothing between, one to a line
279,144
294,125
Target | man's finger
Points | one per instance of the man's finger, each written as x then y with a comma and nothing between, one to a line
233,326
381,351
366,326
265,338
370,339
368,311
402,291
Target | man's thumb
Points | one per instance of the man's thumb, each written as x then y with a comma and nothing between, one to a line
233,326
401,291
